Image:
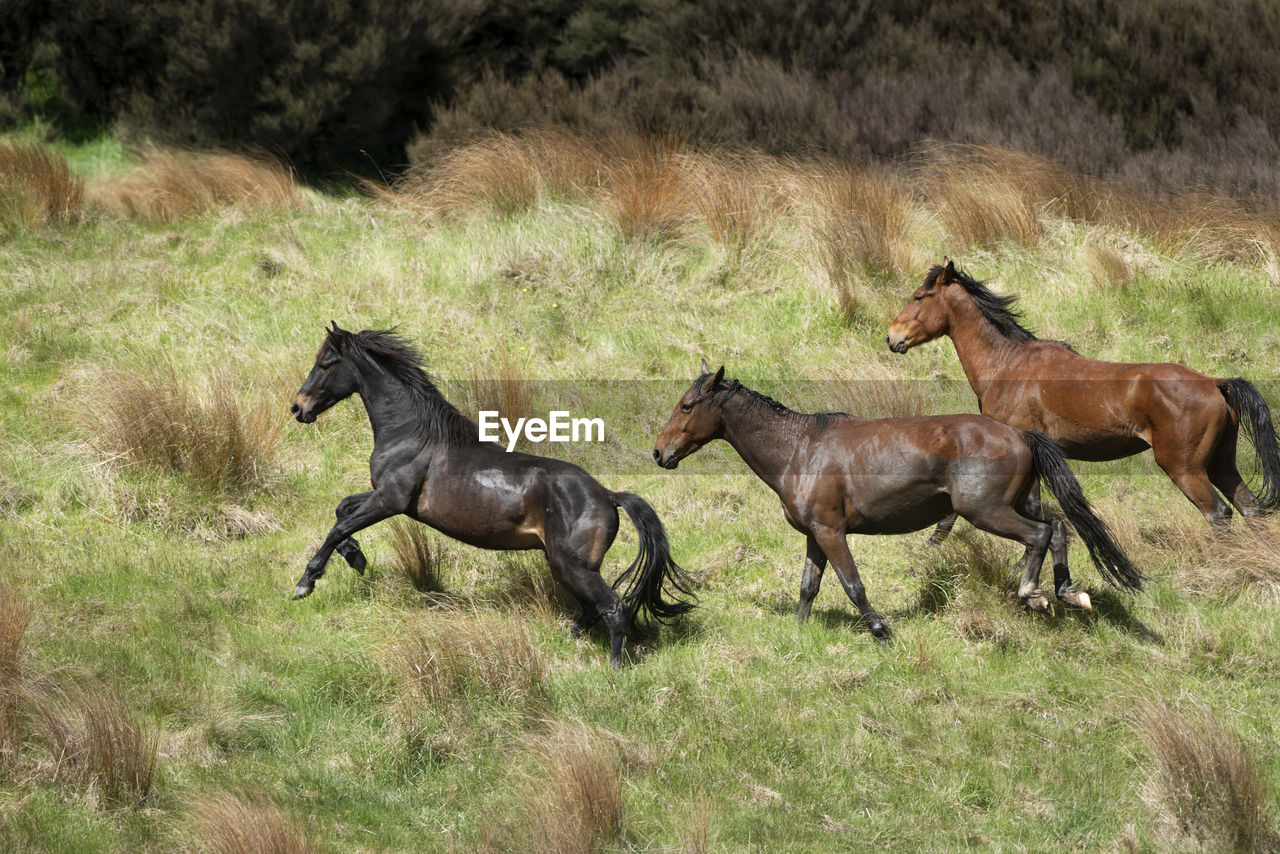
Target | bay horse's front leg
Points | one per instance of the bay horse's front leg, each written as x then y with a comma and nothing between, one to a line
943,530
373,509
834,544
815,562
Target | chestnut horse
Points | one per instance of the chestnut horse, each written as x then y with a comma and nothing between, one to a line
1098,410
429,464
837,474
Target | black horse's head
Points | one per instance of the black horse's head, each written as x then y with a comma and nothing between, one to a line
333,377
697,419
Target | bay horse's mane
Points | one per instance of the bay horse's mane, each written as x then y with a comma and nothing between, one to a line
440,420
756,400
995,308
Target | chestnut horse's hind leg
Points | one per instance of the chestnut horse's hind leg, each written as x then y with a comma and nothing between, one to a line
836,547
943,530
815,562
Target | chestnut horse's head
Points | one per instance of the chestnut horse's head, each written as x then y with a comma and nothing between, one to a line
927,314
333,377
696,420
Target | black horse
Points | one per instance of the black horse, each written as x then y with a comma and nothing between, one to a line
428,463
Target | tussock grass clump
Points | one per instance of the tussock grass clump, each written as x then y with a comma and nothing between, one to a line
978,205
575,806
735,194
210,435
501,389
645,194
463,657
968,557
97,740
173,185
245,824
1242,561
1206,780
1106,267
411,544
36,187
14,613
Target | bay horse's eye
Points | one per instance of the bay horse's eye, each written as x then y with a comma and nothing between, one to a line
920,298
686,407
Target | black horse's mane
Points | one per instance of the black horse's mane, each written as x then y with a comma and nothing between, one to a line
755,401
995,308
439,418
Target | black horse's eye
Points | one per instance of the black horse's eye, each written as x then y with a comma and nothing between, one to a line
686,407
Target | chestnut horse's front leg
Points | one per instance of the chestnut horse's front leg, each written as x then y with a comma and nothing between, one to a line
375,507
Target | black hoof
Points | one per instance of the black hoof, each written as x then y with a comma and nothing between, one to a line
879,629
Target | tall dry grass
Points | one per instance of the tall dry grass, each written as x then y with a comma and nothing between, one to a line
36,187
978,203
1208,786
575,806
466,657
208,433
414,556
96,740
225,823
14,613
171,185
646,193
1243,561
737,195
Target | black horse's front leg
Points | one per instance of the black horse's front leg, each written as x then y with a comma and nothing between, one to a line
373,509
350,547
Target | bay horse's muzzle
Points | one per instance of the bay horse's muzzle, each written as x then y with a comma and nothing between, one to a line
669,463
899,346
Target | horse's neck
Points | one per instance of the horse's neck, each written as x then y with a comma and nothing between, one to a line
388,403
982,348
765,439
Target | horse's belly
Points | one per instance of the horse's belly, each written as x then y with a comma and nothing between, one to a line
901,517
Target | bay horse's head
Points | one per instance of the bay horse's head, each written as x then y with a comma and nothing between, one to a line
927,314
333,377
696,420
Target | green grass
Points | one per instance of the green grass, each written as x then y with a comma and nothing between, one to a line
980,726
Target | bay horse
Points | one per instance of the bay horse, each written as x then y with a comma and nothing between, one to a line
837,474
428,463
1097,410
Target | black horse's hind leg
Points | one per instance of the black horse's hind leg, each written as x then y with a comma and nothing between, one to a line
943,530
350,547
815,562
585,620
833,543
376,507
575,557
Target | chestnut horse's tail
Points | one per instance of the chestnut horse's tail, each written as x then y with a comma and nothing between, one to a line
1244,397
1107,556
652,571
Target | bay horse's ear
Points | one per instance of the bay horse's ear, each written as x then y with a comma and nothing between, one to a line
948,274
719,377
706,369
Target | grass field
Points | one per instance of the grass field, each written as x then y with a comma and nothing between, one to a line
159,690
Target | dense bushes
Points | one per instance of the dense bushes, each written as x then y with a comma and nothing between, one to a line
1168,90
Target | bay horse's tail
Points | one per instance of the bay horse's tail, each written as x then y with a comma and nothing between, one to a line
651,572
1107,556
1247,402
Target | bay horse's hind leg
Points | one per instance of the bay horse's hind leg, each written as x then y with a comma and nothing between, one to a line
1004,521
1187,466
1224,475
1065,589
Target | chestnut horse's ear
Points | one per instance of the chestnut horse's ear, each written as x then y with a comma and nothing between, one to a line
706,369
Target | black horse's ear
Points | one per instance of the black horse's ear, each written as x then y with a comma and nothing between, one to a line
706,369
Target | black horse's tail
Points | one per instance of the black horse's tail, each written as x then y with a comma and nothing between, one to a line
1107,556
653,571
1244,397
